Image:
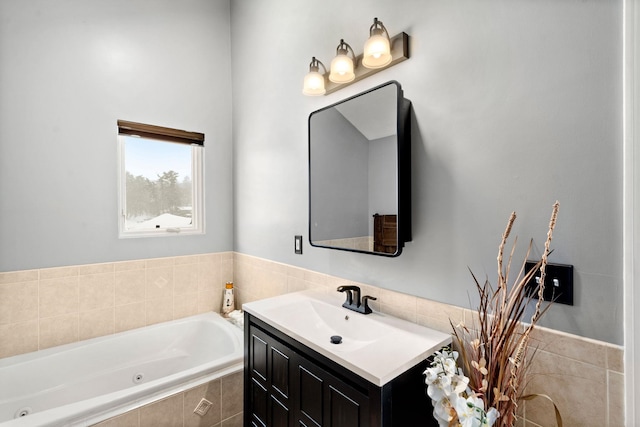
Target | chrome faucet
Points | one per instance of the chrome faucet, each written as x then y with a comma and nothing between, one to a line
353,302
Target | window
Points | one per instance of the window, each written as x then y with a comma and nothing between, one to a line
161,180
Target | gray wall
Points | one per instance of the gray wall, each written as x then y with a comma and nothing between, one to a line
516,103
68,70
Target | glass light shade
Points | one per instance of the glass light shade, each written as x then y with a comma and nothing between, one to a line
313,84
377,52
341,69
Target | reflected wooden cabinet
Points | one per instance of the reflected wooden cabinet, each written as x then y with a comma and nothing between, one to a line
385,233
289,385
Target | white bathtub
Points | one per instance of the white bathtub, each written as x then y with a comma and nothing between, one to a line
86,382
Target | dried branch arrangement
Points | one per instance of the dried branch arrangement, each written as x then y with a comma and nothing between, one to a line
492,354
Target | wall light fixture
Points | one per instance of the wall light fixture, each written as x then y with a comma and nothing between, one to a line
342,65
380,52
314,81
377,50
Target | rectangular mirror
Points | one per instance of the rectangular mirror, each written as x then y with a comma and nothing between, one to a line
360,173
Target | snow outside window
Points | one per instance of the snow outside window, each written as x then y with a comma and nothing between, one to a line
161,182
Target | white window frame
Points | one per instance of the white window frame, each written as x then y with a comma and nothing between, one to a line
163,135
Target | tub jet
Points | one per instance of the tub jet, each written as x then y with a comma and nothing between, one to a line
137,378
23,412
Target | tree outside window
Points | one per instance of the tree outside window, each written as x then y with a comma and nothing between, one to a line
161,186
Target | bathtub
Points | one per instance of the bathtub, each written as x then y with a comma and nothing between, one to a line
89,381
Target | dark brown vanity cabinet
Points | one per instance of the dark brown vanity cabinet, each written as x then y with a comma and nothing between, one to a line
290,385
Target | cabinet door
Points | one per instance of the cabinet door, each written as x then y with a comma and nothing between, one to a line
345,409
270,381
323,400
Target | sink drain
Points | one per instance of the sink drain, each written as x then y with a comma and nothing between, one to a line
23,412
137,378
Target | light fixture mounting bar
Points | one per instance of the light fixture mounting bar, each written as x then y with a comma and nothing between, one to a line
399,52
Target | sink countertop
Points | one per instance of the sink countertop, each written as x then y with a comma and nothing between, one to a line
377,346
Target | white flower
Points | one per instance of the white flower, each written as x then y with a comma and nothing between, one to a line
467,410
443,378
442,412
448,388
471,412
460,383
449,365
435,392
492,416
433,375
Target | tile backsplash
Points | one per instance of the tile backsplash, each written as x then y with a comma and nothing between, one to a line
48,307
53,306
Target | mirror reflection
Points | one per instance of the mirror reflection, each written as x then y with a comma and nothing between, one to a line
357,149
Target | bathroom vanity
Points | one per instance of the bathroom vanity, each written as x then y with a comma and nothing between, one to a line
296,376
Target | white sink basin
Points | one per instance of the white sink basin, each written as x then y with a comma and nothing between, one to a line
378,347
318,321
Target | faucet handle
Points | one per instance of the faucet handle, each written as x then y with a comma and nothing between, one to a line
365,304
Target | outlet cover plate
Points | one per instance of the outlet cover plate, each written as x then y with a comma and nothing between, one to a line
558,283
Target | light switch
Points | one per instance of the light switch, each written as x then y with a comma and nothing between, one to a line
298,244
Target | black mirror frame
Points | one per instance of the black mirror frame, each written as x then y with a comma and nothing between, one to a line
403,132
